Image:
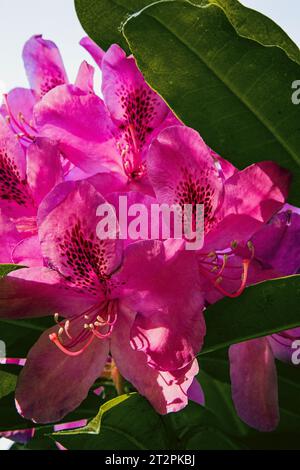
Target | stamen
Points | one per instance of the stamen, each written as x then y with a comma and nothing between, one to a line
134,141
102,336
246,264
218,279
53,337
67,328
19,123
89,330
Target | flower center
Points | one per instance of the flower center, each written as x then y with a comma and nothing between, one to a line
96,322
134,167
139,109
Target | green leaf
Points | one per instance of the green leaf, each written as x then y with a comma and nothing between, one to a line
127,423
261,310
102,20
242,90
20,335
254,25
5,269
7,383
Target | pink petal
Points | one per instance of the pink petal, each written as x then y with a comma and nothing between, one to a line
169,326
96,52
282,345
44,168
125,90
258,191
226,168
20,100
39,292
52,384
28,253
70,245
277,245
79,122
44,65
254,384
196,393
85,78
182,170
9,238
15,197
166,391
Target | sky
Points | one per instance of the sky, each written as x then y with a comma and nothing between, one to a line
56,20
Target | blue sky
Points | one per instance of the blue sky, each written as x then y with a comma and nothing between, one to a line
56,20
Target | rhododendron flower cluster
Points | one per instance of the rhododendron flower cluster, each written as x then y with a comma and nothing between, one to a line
65,150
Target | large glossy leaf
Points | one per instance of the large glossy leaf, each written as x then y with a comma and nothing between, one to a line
235,91
102,20
253,25
127,423
261,310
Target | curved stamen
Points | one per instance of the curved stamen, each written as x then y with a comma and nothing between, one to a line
20,123
90,330
135,169
102,335
246,264
218,278
54,338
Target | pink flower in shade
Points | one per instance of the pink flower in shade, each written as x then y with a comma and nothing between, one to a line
114,133
111,301
252,363
239,207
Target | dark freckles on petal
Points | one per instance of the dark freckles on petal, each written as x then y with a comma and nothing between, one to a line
85,255
196,189
12,187
139,107
50,82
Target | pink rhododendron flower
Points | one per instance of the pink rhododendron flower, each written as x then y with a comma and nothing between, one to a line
238,210
114,133
63,152
111,301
